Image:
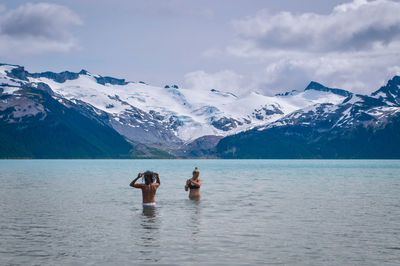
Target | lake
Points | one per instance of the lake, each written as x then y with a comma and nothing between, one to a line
293,212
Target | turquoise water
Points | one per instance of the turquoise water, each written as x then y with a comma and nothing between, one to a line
293,212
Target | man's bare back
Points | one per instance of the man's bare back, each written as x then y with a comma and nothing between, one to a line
149,193
150,188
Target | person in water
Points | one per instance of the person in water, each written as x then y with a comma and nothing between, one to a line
194,184
149,188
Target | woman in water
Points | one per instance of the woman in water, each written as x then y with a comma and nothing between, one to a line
194,184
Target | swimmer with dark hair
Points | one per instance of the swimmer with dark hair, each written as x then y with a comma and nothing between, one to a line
149,188
194,184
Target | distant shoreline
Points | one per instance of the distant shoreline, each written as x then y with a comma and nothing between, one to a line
204,159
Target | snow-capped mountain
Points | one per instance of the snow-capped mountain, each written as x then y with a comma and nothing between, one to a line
374,110
169,114
184,121
359,127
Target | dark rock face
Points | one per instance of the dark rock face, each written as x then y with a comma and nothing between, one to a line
175,122
390,92
286,93
225,123
110,80
22,74
15,109
156,115
18,73
318,87
265,112
58,77
44,87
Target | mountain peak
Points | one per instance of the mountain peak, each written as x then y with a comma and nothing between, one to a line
286,93
319,87
391,91
316,86
83,72
10,65
395,82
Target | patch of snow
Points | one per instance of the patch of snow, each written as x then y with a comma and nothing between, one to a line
194,108
10,90
6,68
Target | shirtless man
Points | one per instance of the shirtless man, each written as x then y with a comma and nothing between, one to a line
149,188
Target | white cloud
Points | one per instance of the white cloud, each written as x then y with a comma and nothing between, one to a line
226,81
395,70
37,28
351,5
355,47
358,25
360,72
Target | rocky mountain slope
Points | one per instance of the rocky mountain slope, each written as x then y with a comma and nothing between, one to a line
360,127
34,123
82,115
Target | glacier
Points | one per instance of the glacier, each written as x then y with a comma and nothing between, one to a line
183,114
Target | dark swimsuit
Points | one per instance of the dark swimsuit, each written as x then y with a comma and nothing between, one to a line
191,186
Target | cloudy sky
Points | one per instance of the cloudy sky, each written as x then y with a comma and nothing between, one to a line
237,45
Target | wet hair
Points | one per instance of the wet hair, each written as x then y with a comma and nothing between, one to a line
196,171
148,177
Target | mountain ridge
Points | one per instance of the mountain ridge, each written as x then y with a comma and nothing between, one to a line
365,127
172,121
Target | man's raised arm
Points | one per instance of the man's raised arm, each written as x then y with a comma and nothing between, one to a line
133,183
158,179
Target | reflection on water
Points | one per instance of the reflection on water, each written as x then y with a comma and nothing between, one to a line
149,240
194,208
150,212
